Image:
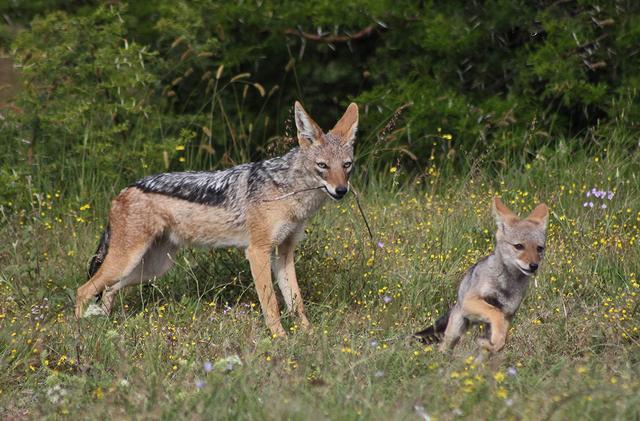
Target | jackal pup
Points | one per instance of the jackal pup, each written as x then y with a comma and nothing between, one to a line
492,289
261,207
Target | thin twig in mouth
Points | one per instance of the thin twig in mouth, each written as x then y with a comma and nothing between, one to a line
284,196
355,194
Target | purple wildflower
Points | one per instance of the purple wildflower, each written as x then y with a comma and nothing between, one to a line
598,194
199,383
373,343
207,367
511,371
380,244
386,299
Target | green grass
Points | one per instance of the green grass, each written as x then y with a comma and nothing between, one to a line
572,351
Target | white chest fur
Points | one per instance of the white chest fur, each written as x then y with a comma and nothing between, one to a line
283,230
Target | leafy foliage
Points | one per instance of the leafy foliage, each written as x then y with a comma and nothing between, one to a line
85,96
126,85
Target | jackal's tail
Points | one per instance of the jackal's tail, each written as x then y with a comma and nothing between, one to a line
433,333
101,252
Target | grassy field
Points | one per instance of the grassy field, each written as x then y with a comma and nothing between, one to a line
193,344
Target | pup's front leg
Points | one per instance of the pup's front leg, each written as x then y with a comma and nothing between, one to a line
499,327
477,308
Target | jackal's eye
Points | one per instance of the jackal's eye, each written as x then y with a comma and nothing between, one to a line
347,165
322,165
518,246
540,249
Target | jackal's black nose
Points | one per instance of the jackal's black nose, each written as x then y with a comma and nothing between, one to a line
533,266
341,191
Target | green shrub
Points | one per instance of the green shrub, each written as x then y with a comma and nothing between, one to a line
109,93
87,100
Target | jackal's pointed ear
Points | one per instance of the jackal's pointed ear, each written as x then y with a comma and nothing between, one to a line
540,215
502,213
308,130
346,128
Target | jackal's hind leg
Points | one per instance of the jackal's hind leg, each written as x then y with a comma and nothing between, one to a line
118,263
456,326
157,260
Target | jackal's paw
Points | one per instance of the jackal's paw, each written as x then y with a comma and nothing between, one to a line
483,355
444,348
305,326
95,309
485,343
489,346
277,332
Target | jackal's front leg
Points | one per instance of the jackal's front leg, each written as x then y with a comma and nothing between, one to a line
260,262
499,328
285,271
479,309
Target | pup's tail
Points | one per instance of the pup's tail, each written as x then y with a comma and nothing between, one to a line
433,333
101,252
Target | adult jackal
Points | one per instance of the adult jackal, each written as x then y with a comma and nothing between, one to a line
261,207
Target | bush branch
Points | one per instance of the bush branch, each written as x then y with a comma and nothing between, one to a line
331,38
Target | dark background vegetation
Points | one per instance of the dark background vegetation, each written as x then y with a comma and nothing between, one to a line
109,89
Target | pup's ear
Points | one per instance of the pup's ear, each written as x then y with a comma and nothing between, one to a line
502,213
346,128
540,215
308,130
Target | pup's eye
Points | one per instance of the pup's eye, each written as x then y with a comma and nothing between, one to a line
322,165
347,164
518,246
540,249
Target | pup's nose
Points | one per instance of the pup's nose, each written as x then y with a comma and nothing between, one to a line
533,266
341,191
